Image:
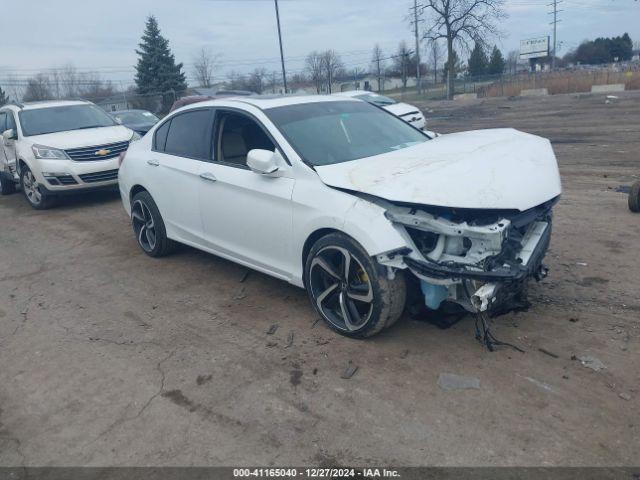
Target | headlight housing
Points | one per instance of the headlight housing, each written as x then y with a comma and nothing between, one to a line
135,137
48,153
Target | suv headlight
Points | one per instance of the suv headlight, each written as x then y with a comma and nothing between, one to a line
135,137
48,153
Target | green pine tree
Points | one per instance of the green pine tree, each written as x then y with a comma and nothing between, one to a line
3,97
157,71
478,61
496,63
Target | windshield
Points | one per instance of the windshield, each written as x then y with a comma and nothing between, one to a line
134,117
326,133
40,121
376,99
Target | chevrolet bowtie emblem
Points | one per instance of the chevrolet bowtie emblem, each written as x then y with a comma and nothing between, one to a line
103,152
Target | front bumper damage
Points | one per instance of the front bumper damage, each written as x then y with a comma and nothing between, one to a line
478,259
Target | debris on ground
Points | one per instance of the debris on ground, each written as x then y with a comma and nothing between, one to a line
315,322
547,352
451,381
574,319
540,384
349,371
240,294
289,340
272,344
582,264
272,329
245,276
625,396
404,354
590,362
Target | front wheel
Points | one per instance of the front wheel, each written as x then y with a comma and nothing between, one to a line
33,192
349,290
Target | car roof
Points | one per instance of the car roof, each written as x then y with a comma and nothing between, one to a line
53,103
265,102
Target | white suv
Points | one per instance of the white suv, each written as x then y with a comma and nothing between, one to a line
57,147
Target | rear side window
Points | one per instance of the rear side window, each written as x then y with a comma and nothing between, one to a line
161,136
190,134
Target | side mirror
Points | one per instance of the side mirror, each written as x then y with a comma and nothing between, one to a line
9,135
263,162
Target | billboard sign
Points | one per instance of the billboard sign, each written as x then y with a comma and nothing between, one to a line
534,48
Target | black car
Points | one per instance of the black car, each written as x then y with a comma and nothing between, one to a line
139,121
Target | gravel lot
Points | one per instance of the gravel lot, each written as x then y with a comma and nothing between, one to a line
108,357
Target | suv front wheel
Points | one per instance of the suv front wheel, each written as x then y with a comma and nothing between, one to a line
33,192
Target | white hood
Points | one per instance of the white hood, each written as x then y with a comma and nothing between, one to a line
490,169
83,138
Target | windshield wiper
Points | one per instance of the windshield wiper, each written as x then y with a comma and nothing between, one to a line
90,126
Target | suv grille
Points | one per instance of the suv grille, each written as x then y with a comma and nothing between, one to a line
90,154
100,176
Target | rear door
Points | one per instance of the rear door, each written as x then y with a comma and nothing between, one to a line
181,147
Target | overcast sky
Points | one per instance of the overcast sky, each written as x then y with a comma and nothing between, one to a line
102,35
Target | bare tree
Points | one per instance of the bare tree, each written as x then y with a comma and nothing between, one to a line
401,62
14,87
512,62
315,67
435,57
256,81
204,65
461,23
332,66
38,88
378,66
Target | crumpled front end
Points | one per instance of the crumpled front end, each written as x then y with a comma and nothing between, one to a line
479,259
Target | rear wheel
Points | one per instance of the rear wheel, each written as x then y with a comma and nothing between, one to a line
148,226
33,191
349,290
634,197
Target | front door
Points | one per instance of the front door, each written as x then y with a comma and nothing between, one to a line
246,216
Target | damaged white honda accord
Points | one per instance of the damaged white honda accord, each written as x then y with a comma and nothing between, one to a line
346,200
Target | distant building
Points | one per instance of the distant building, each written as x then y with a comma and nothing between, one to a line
115,103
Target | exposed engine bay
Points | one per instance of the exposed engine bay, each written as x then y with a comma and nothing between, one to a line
478,259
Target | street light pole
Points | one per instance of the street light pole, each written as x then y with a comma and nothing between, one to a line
284,74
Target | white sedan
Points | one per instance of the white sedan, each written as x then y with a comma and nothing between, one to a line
409,113
347,201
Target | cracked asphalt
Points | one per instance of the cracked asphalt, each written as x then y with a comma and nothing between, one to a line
109,357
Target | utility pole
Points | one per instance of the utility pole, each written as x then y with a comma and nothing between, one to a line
284,74
555,21
417,12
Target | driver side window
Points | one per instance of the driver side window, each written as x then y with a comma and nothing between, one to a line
235,136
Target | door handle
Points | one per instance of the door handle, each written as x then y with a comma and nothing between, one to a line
209,177
153,163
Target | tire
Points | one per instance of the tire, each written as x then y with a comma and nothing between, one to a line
148,226
33,192
7,186
366,297
634,197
